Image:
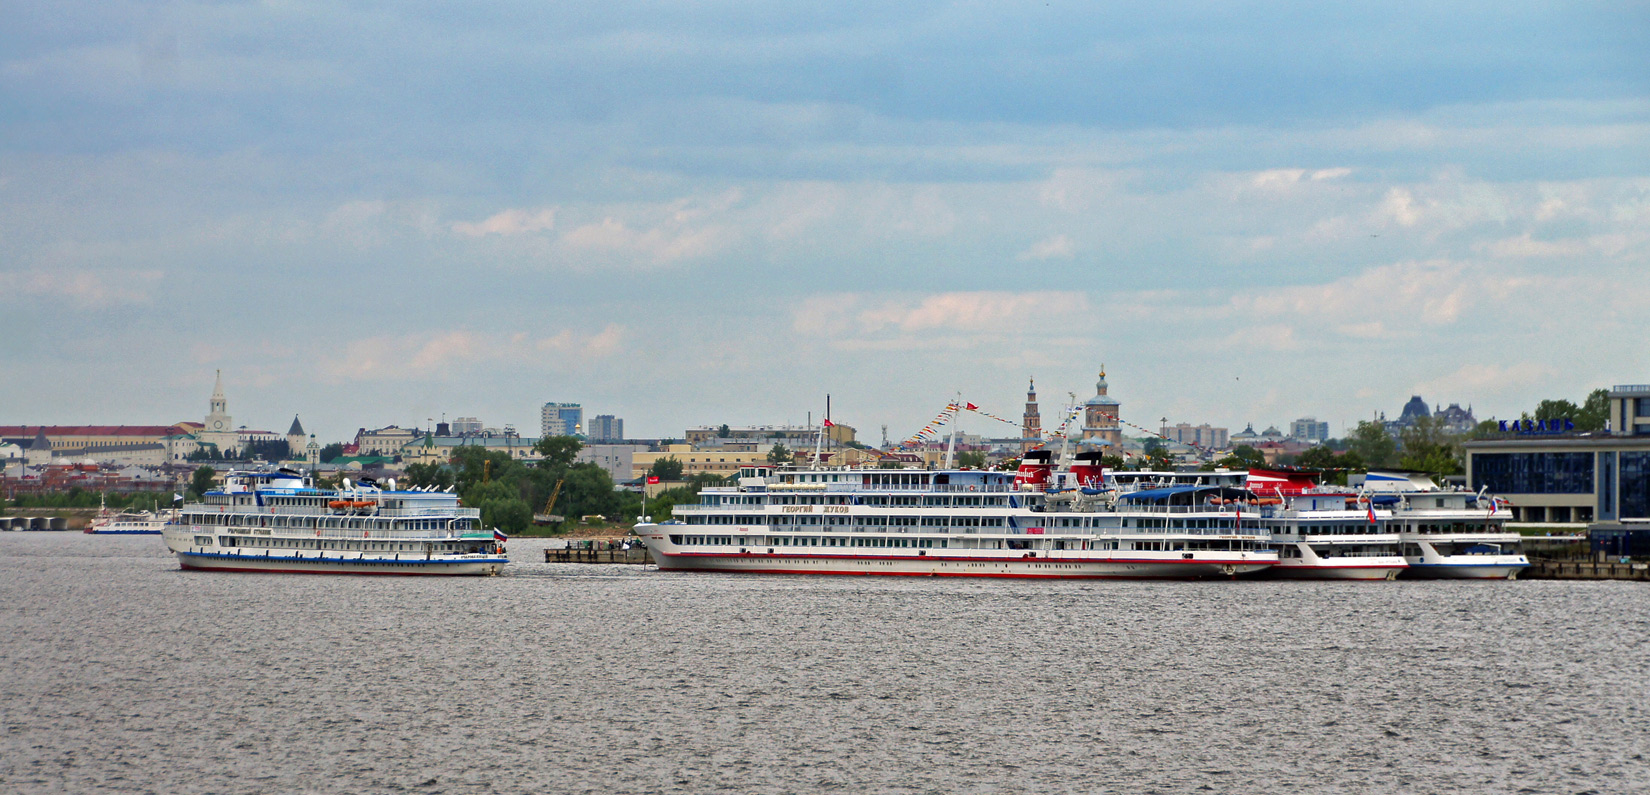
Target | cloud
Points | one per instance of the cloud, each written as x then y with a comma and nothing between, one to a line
509,222
1431,293
86,288
848,314
1399,207
1487,380
450,354
659,245
1056,247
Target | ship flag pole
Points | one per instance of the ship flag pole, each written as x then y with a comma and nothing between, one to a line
956,422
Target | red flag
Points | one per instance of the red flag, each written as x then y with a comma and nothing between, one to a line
972,407
652,479
829,424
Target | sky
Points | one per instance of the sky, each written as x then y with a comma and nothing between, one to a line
696,213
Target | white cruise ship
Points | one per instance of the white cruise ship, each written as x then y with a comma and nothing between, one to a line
279,522
130,523
1447,534
958,523
1324,532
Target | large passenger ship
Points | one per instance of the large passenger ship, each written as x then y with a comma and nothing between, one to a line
1447,534
1324,532
960,523
280,522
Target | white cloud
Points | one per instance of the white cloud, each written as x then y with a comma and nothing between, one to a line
659,245
87,288
1431,293
1488,380
1399,207
847,314
449,354
1056,247
509,222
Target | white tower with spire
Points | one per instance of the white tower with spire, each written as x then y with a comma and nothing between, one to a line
219,428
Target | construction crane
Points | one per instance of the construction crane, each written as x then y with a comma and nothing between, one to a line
547,517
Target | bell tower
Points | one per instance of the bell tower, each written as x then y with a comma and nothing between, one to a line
1031,423
219,428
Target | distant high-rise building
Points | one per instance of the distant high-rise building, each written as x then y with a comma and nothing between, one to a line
561,419
1308,429
465,426
1205,436
605,428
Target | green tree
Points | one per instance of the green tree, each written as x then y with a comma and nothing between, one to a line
1595,411
587,490
558,452
1554,410
1428,447
780,454
666,469
201,481
500,503
660,505
331,452
1319,457
724,431
1373,444
428,475
1243,457
275,450
1486,429
971,458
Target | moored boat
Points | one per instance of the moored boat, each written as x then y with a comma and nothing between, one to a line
1324,532
1034,523
1447,533
280,522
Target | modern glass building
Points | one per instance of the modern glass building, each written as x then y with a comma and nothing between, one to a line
561,419
1570,477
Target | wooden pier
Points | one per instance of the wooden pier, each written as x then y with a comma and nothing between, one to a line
1583,569
634,555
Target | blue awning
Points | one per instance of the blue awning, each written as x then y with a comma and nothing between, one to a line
1155,495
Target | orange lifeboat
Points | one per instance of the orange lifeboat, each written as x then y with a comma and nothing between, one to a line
338,504
363,504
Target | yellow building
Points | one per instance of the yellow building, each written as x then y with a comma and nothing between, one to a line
716,462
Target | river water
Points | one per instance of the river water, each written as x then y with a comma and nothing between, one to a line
121,673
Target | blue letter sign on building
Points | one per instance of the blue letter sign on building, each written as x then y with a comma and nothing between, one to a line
1538,426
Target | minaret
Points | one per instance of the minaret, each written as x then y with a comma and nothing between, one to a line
1031,427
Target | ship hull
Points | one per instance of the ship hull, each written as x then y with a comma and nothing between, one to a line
1054,567
286,564
1334,569
1464,570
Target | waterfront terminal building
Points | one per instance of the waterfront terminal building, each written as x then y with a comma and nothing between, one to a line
1553,476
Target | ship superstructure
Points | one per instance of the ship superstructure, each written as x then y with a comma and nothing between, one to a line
280,522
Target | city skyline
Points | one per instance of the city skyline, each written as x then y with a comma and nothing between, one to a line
722,213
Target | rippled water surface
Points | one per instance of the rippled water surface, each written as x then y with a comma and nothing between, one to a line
121,673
